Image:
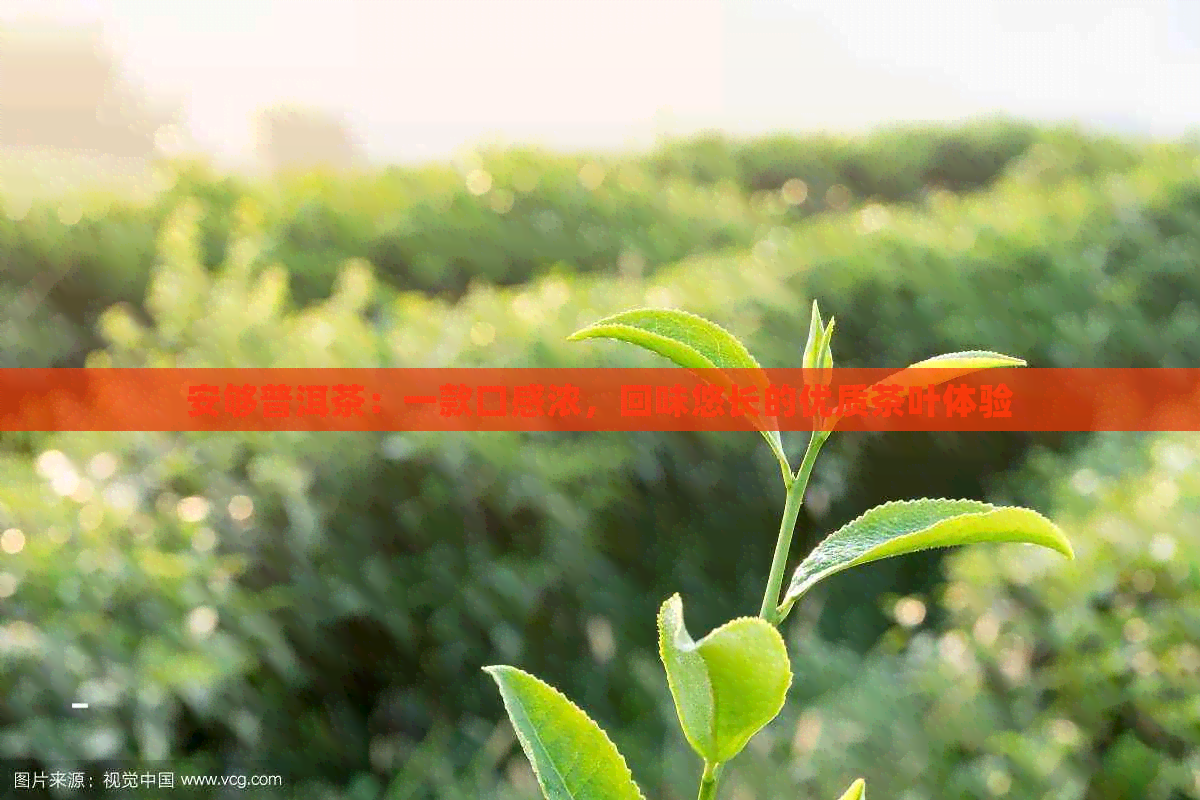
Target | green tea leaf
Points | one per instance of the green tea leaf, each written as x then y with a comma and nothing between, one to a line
908,526
949,367
728,685
857,791
691,342
970,361
571,756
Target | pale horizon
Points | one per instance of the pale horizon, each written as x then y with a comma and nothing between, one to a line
419,80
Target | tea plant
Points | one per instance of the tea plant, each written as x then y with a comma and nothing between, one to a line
730,684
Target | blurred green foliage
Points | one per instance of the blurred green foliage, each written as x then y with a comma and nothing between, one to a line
504,217
318,605
892,166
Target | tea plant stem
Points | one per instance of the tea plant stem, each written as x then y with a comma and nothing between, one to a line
708,782
791,510
788,478
796,486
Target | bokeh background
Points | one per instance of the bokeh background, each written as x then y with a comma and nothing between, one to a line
417,184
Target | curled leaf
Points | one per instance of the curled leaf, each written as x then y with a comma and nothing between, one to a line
909,526
728,685
571,755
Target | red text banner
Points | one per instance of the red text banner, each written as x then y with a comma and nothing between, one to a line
666,399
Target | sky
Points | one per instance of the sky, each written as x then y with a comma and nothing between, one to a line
420,79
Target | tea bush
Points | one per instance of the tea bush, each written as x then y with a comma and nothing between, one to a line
522,214
295,603
356,583
893,165
507,216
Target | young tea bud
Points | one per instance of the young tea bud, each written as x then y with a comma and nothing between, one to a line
812,348
818,357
